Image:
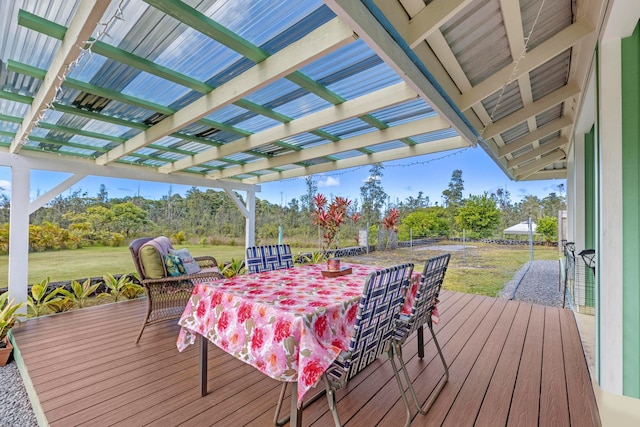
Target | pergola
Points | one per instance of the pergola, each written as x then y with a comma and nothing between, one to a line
233,94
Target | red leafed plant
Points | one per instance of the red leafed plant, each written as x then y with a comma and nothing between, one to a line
330,216
390,222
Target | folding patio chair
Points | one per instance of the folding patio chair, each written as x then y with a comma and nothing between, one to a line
421,312
268,257
378,311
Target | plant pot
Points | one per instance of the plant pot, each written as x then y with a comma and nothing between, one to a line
333,264
5,353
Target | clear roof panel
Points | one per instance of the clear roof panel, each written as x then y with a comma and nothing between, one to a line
349,128
305,140
405,112
434,136
258,21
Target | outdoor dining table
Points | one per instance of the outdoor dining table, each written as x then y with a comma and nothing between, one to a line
290,324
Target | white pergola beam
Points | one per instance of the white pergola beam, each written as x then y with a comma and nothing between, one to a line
547,174
34,160
357,16
236,200
84,21
384,156
554,98
407,130
431,18
318,43
383,98
543,149
539,164
539,133
538,56
54,192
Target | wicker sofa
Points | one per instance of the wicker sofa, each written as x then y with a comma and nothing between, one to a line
167,295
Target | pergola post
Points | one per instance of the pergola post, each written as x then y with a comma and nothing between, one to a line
250,238
19,235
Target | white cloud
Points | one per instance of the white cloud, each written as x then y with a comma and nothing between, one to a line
5,185
329,182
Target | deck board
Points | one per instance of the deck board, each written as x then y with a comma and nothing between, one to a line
87,370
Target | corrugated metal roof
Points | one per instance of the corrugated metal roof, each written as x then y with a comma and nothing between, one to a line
554,16
478,39
549,115
551,75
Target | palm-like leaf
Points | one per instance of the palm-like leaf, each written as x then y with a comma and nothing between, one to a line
8,315
39,301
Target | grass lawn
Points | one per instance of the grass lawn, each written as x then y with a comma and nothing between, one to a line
95,262
481,269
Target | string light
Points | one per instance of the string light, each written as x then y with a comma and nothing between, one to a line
514,70
404,165
68,68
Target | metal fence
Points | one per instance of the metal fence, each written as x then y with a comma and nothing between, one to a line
578,278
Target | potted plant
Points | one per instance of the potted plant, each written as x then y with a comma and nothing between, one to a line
8,318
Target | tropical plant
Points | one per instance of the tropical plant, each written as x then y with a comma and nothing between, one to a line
234,268
316,257
64,304
119,288
80,293
40,301
8,315
329,217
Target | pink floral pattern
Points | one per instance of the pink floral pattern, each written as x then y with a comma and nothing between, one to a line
290,324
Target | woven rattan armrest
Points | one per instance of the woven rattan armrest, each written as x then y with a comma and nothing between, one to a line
168,296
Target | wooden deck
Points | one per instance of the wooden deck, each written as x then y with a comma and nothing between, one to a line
510,363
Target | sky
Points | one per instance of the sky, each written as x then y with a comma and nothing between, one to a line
401,179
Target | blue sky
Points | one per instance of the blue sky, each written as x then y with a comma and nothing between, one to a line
402,178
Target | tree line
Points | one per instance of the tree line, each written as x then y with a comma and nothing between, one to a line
210,217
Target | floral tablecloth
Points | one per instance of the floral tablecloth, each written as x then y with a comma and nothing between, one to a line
290,324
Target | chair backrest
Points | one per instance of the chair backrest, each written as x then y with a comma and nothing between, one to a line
378,310
268,257
134,248
428,291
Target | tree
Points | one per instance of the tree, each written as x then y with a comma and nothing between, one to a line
129,218
306,199
103,195
530,206
548,227
373,195
480,215
552,204
428,222
452,196
508,214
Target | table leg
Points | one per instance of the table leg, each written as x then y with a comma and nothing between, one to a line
296,414
421,342
204,344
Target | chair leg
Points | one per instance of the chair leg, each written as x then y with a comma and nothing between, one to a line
331,398
285,420
146,319
420,334
396,374
425,408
